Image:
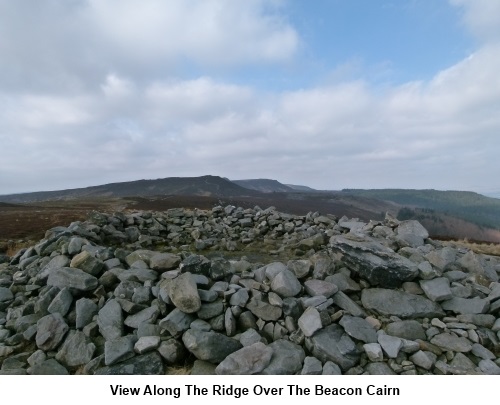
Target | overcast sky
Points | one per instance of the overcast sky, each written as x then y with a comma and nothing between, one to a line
328,93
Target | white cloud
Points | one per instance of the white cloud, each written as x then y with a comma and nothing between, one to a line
482,17
103,103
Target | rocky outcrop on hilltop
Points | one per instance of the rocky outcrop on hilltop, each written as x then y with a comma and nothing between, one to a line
141,292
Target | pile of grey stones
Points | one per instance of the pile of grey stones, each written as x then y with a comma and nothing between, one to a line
148,292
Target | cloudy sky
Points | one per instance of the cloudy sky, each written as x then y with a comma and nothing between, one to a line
329,93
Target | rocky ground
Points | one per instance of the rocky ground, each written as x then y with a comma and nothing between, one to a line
142,292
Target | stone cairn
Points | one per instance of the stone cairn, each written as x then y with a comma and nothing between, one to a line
142,292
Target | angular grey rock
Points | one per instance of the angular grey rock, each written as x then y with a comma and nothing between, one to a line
50,331
359,329
239,298
177,322
373,351
147,315
76,350
49,367
343,301
466,306
442,258
489,367
412,232
61,302
343,282
332,343
247,360
142,254
409,329
210,310
5,294
404,305
301,268
72,278
229,322
146,344
164,261
391,345
146,364
263,310
110,320
287,358
201,367
375,262
447,341
379,369
86,262
423,359
249,337
119,349
312,366
320,287
172,351
437,289
310,321
482,352
273,269
286,284
209,346
330,368
183,292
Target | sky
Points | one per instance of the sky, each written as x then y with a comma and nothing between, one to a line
331,94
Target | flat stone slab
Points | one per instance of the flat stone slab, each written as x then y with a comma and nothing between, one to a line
447,341
248,360
359,329
401,304
466,305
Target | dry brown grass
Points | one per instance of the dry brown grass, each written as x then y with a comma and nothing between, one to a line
492,249
178,370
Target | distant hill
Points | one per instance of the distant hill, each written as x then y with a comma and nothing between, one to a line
198,186
264,185
301,188
469,206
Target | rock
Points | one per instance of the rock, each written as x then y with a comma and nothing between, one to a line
466,306
286,284
379,369
330,368
48,367
119,349
209,346
312,366
110,320
359,329
373,351
147,315
412,232
437,289
146,364
5,294
375,262
423,359
310,321
247,360
172,351
391,345
183,292
404,305
61,302
76,350
164,261
146,344
343,301
50,331
264,310
287,358
66,277
86,262
177,322
320,287
332,343
409,329
447,341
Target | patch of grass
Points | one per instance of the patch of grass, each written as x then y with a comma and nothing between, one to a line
492,249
